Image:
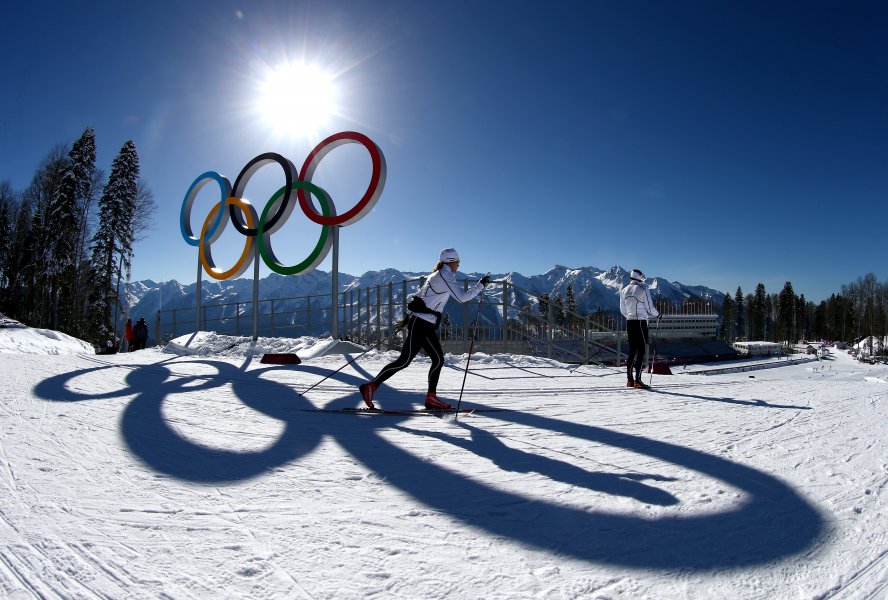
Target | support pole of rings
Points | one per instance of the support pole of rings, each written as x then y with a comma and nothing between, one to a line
334,326
198,293
255,296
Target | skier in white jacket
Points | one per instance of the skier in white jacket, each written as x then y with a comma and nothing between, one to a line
637,306
421,321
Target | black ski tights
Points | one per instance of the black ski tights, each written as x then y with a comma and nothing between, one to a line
421,335
638,334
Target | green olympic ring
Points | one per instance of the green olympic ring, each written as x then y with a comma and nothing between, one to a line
325,241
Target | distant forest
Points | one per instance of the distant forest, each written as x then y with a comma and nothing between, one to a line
858,310
66,241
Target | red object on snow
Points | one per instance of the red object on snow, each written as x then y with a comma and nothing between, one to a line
280,359
660,368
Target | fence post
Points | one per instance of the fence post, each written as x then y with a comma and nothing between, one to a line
391,323
368,311
272,318
174,323
465,320
237,318
360,337
619,339
505,316
550,321
156,329
378,317
586,336
308,315
351,313
341,298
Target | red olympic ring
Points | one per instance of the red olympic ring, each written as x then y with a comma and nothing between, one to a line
374,189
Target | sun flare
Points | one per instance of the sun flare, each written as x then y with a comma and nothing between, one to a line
297,99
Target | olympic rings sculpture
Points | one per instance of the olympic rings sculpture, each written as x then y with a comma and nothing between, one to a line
234,208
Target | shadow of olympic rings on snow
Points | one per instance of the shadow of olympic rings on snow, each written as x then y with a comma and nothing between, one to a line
771,521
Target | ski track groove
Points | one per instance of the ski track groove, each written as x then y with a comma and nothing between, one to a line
249,531
850,589
15,575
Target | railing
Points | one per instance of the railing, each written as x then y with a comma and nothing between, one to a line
509,321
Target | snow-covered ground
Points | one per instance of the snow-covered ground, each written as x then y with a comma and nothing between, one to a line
203,473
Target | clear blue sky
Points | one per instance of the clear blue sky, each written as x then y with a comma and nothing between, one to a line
711,143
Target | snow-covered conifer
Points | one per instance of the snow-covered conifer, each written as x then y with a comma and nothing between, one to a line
113,242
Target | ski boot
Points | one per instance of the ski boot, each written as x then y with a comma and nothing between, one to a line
433,403
367,391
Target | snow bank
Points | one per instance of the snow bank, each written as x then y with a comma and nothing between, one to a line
28,340
207,343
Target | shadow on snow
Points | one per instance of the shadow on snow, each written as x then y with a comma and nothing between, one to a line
772,522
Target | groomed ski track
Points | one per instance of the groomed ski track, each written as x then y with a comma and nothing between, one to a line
150,475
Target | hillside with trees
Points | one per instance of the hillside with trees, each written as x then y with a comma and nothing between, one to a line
66,241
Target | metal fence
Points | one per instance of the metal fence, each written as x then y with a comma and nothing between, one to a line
509,321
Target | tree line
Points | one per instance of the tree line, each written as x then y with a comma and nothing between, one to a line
66,240
858,311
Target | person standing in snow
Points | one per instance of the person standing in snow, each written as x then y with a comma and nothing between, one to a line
129,335
422,319
141,331
637,306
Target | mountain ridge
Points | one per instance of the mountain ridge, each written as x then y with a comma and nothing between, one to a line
593,289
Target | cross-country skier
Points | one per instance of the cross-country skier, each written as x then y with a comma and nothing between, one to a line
637,306
422,318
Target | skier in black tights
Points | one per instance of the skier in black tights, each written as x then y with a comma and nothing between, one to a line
421,321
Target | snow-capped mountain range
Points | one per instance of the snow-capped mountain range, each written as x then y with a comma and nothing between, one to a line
593,288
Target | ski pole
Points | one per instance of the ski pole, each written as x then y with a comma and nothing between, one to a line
350,361
329,375
654,359
469,357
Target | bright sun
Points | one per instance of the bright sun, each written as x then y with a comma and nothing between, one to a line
297,99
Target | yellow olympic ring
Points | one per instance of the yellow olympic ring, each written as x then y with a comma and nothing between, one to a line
206,254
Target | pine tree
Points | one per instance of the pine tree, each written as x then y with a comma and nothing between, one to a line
38,257
7,209
544,313
17,263
786,315
544,306
558,309
758,327
113,242
805,312
67,212
728,319
739,308
573,312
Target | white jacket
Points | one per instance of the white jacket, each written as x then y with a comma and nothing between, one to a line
438,289
636,302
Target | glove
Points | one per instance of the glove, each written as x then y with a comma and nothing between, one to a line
485,281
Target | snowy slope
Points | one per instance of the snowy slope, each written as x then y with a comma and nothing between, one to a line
205,474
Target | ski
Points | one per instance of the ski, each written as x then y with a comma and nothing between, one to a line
405,412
